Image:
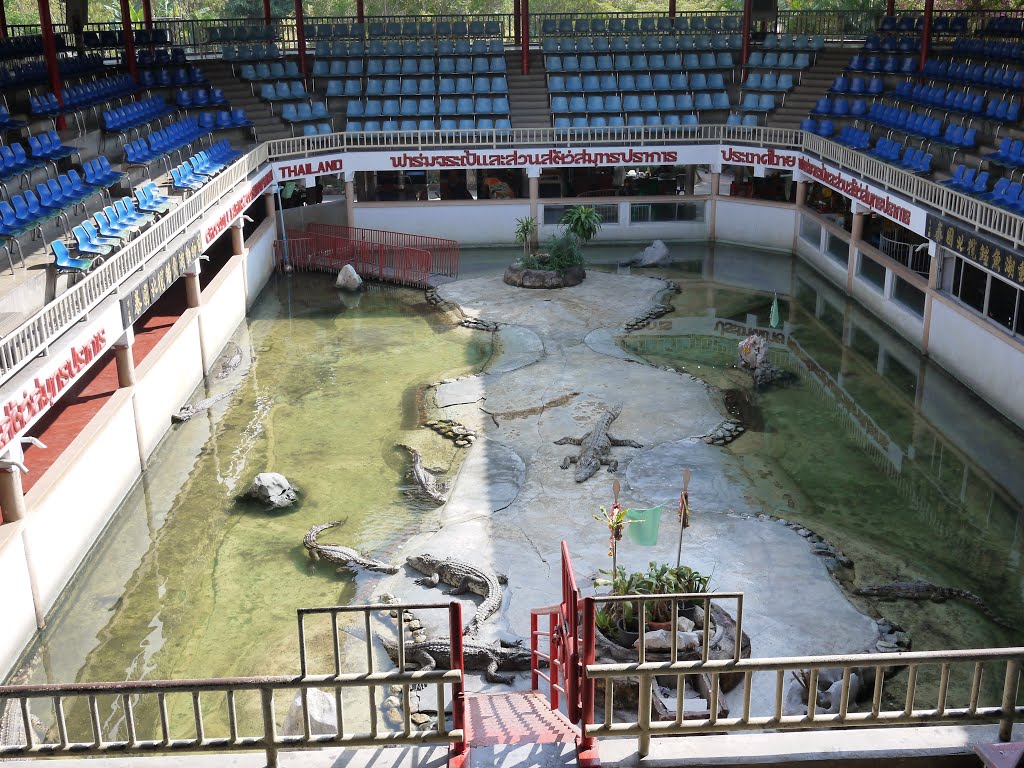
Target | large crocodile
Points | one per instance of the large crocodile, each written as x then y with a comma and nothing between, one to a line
424,479
188,411
923,590
595,447
463,577
345,556
434,654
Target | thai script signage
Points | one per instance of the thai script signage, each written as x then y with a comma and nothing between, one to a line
215,225
544,158
769,158
982,251
864,193
61,369
145,294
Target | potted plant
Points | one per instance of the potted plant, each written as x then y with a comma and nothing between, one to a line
562,264
618,621
526,230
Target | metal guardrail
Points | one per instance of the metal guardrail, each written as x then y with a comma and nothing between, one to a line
32,337
109,715
874,666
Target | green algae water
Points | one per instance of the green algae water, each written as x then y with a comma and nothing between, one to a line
188,582
871,445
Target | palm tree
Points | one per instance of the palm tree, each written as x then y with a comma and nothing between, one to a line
583,221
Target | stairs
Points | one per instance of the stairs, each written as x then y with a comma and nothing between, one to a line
518,728
527,94
239,93
813,85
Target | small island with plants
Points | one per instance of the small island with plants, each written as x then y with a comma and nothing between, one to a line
562,264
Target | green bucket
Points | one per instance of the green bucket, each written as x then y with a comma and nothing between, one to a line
643,525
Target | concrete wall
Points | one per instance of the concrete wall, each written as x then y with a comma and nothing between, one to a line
985,360
744,221
19,613
72,502
166,378
223,308
259,259
488,222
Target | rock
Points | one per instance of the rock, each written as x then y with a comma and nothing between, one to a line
420,719
844,560
902,639
391,702
661,639
884,646
272,488
414,625
396,689
542,278
654,254
393,716
348,279
323,717
803,532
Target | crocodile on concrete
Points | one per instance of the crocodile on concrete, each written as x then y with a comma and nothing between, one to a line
436,654
424,479
463,577
595,447
346,557
923,590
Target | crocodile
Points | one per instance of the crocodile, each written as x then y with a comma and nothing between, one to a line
336,553
923,590
188,411
595,447
231,363
424,479
432,654
463,577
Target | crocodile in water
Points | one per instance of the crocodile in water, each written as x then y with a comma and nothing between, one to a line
434,654
345,556
426,481
188,411
595,447
463,577
923,590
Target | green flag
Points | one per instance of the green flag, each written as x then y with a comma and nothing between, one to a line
643,526
774,319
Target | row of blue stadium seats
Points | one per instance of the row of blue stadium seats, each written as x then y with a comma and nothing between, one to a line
912,159
981,74
793,42
858,86
753,102
638,44
33,72
992,50
201,98
616,26
273,71
197,170
970,181
305,112
840,107
283,91
24,46
639,62
162,57
909,22
650,121
422,86
463,105
892,44
1004,25
317,129
1008,154
647,102
769,81
906,65
241,34
136,114
110,39
377,29
166,78
626,82
8,123
258,52
958,100
82,96
463,47
159,145
911,122
447,124
772,60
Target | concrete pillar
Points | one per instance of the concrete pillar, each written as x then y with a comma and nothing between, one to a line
350,198
533,175
856,235
716,181
745,48
193,293
711,206
690,179
801,193
125,359
12,497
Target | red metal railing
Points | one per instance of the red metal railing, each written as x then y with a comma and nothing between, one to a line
392,257
564,657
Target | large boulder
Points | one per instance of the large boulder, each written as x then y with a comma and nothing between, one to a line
544,278
323,715
272,488
653,255
348,279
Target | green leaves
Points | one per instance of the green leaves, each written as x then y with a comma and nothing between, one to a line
581,221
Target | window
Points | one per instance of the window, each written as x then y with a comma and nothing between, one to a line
642,213
838,249
1002,303
970,288
609,213
872,272
908,295
810,231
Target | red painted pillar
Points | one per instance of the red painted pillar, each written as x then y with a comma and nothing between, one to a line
745,51
50,52
267,21
516,21
457,750
129,40
360,12
300,35
672,9
524,29
147,14
926,32
3,20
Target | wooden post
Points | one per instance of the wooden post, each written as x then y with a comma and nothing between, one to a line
129,40
524,30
